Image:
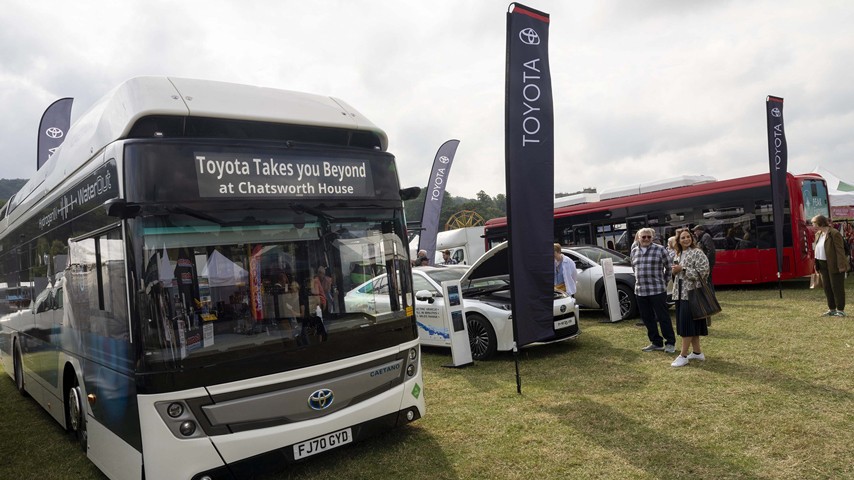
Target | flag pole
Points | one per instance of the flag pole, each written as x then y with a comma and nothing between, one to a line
778,153
529,175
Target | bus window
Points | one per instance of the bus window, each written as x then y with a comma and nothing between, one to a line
582,235
221,285
96,286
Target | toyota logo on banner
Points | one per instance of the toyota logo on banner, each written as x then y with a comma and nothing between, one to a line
54,132
775,112
529,36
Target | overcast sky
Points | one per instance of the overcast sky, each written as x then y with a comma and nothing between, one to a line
643,90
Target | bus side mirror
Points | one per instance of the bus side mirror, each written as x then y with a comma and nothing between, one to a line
409,193
120,208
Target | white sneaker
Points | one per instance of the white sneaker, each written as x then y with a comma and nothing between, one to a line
680,361
696,356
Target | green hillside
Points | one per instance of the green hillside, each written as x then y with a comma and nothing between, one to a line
9,187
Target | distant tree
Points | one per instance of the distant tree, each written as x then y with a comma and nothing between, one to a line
584,190
486,206
483,198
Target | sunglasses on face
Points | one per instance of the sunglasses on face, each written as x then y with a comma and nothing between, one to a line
646,236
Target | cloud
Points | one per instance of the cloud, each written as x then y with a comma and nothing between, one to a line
643,90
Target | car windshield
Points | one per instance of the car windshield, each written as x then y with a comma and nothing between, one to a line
470,287
440,275
597,254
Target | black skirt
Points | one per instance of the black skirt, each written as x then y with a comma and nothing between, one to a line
686,326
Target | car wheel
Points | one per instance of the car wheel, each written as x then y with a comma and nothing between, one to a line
481,337
19,370
75,415
628,302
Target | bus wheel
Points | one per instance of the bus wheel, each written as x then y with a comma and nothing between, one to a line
481,337
628,302
19,370
75,415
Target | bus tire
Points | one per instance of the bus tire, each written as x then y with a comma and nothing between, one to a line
628,302
75,414
481,337
19,370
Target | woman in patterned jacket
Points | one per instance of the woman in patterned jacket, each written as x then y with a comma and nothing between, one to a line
690,266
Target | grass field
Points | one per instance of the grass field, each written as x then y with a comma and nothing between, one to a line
774,400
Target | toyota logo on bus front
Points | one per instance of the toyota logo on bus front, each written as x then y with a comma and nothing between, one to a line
320,399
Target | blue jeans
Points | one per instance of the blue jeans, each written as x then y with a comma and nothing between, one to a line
654,313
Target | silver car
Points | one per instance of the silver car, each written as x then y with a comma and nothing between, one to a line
591,284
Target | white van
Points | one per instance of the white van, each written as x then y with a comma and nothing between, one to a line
466,245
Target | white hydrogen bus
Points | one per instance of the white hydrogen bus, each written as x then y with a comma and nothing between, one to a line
172,281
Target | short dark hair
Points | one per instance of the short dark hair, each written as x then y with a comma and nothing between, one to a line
700,228
446,251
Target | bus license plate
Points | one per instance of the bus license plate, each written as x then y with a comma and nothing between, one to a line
322,444
566,322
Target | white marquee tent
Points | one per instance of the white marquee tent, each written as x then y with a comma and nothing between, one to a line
839,192
222,271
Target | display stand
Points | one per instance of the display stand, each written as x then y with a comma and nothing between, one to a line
611,293
455,319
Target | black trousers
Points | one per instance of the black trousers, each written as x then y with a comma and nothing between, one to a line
654,313
834,286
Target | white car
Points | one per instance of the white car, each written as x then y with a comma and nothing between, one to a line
486,303
590,284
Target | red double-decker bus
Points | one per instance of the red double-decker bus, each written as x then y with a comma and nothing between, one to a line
737,213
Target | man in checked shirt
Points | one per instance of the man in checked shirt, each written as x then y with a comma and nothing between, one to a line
652,269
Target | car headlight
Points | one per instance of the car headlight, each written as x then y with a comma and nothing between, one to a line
498,305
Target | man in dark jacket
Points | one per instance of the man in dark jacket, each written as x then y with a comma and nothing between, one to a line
705,242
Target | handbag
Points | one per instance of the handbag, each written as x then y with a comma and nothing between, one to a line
702,301
815,280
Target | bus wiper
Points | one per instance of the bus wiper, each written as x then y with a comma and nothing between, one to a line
196,214
300,209
249,221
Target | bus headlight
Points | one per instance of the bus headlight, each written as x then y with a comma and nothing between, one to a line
187,428
180,419
175,410
412,362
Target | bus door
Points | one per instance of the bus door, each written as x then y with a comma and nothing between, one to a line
633,224
612,236
96,297
582,234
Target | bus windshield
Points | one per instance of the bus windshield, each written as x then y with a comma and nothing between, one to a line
221,285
